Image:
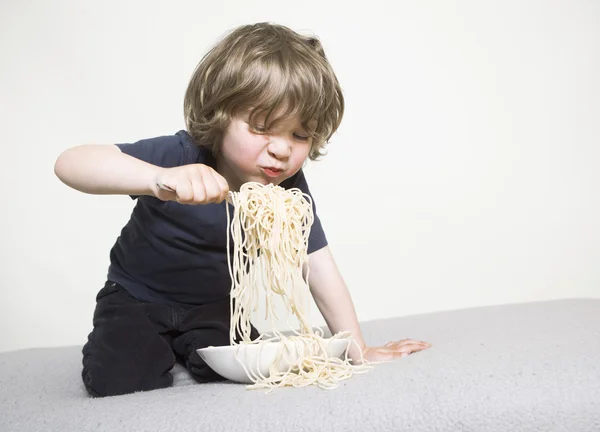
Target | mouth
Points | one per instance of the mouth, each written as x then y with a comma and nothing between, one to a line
272,172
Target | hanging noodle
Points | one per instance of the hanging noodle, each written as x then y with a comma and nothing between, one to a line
270,228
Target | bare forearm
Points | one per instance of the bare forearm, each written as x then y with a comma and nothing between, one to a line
333,298
104,169
340,315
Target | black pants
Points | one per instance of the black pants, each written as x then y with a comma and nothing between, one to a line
134,344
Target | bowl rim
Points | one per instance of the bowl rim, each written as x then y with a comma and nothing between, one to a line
263,345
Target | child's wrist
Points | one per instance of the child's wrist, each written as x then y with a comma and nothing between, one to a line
154,181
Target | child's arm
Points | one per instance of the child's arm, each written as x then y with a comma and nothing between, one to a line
335,304
104,169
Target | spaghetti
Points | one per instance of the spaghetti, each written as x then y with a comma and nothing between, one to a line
270,227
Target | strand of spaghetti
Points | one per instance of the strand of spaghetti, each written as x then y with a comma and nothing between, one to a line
269,228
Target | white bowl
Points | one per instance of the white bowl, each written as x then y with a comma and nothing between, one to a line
222,359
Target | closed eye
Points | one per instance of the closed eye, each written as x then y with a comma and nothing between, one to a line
301,137
262,130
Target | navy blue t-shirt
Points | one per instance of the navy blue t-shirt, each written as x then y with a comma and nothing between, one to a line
175,253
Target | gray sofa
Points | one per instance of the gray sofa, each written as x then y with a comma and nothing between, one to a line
520,367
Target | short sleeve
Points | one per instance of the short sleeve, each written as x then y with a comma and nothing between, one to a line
317,239
166,151
163,151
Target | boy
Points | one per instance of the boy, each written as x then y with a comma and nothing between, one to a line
260,103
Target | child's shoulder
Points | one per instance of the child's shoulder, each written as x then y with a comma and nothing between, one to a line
167,150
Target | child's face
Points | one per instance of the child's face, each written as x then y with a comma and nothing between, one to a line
246,155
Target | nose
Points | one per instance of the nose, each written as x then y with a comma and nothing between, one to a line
279,147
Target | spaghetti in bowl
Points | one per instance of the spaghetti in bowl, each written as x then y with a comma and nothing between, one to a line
240,363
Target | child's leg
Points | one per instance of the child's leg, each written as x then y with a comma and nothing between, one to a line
125,352
203,326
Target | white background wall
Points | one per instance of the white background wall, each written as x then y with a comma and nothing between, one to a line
465,172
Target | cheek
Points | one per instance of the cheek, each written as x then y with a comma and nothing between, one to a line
300,156
251,146
243,145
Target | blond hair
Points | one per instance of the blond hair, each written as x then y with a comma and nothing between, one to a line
264,67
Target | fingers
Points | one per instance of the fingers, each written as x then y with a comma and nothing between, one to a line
407,342
208,185
192,184
218,187
403,348
202,188
394,350
185,191
223,186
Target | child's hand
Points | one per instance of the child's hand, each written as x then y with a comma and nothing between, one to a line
190,184
394,350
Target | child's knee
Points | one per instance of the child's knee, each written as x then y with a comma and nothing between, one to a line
108,380
108,372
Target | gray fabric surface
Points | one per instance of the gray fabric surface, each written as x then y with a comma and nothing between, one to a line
524,367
